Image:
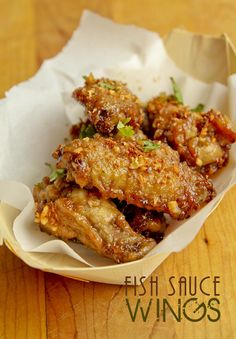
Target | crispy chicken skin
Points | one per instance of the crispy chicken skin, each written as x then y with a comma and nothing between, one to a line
107,102
71,213
202,139
149,223
119,168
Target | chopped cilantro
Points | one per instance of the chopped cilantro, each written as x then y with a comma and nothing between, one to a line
179,97
198,108
149,145
120,125
84,77
124,129
126,120
87,131
55,172
106,85
177,91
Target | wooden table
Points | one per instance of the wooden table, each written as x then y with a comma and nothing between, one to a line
38,305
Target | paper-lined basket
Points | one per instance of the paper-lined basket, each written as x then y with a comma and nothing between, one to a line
205,58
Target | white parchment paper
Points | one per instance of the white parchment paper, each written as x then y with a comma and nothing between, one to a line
36,115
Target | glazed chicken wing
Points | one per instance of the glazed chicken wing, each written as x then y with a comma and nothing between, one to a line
202,139
149,223
71,213
122,169
107,102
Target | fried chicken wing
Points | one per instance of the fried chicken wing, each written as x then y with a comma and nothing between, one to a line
202,139
107,102
71,213
149,223
120,168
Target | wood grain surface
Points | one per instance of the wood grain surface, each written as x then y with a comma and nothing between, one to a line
38,305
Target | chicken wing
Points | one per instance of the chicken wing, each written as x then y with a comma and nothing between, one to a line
149,223
126,170
107,102
202,139
71,213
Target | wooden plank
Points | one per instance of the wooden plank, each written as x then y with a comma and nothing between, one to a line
33,31
17,41
22,299
22,294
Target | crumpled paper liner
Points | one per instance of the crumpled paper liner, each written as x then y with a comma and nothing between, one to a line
35,115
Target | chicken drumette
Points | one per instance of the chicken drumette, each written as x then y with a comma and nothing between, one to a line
107,102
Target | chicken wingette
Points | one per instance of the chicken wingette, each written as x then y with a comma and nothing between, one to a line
203,139
143,173
71,213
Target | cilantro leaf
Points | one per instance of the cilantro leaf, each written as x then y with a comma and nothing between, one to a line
120,125
87,131
55,172
177,91
198,108
124,129
49,165
149,145
106,85
126,120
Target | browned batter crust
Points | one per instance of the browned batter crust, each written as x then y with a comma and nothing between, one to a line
202,139
119,168
71,213
107,102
